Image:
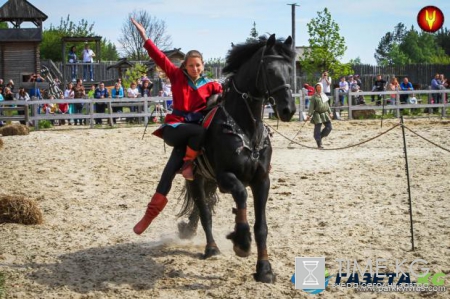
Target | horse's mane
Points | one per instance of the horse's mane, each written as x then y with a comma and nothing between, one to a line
241,53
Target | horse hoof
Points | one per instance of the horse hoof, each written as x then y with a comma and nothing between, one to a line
211,251
240,252
241,239
185,231
265,278
264,272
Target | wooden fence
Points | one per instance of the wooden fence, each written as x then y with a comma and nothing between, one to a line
146,108
396,106
151,107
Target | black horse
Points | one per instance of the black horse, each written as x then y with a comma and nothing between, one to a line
237,150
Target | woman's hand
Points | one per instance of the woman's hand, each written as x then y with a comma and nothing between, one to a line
140,29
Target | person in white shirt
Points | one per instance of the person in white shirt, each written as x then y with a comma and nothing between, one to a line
133,92
343,89
167,88
326,83
88,57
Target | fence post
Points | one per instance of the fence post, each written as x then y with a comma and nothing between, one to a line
397,104
27,117
336,115
444,112
350,103
91,113
34,112
409,186
145,110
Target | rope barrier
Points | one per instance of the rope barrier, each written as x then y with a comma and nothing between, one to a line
336,148
443,148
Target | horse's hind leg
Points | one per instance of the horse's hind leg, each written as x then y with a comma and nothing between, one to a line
263,268
197,188
241,236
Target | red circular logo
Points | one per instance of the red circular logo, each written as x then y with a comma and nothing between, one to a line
430,19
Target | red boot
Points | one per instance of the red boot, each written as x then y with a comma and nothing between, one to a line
154,207
188,167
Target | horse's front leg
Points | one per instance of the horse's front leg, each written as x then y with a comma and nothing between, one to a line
260,191
241,236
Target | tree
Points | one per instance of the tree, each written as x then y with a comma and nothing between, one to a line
253,34
134,73
326,48
213,67
50,47
3,25
132,42
404,46
443,40
387,42
355,61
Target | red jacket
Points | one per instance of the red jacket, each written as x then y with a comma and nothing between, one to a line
186,96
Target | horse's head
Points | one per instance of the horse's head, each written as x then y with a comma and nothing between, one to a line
262,70
276,73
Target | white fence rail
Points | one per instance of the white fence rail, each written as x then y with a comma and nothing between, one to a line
385,96
146,108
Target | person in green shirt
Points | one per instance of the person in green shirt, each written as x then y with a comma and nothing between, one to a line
320,113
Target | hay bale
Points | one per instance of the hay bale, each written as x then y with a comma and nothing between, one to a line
363,114
13,130
18,209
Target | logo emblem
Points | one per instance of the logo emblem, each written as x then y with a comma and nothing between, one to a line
309,273
430,19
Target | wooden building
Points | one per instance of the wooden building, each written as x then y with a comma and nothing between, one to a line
19,47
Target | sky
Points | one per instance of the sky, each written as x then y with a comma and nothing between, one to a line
211,26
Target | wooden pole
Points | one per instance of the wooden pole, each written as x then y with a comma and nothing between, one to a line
409,186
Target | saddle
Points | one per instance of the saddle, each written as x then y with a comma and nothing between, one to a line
230,127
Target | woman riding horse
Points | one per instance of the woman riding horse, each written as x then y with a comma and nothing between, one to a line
181,129
237,146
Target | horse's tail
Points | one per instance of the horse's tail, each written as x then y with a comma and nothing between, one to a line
209,188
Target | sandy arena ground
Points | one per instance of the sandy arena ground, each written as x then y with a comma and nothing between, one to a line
93,186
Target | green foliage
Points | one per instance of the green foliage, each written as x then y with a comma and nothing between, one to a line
355,61
51,45
44,124
253,34
326,48
443,40
213,67
133,74
404,46
3,25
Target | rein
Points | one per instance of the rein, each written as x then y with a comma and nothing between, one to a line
267,97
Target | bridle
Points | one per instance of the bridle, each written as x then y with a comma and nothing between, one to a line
268,93
267,97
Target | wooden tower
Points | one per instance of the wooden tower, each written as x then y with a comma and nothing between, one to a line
19,47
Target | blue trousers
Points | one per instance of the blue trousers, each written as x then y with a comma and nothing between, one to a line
319,134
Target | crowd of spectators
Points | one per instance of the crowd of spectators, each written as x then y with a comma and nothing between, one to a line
136,89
